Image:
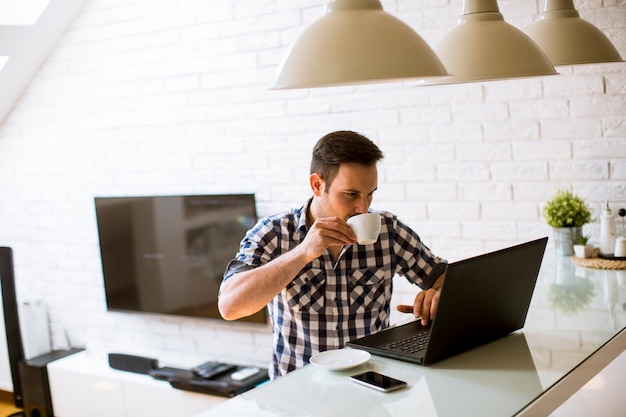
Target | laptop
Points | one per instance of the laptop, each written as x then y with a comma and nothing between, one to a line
482,299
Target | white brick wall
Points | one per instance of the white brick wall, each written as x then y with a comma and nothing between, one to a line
171,97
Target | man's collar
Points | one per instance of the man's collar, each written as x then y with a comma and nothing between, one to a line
302,221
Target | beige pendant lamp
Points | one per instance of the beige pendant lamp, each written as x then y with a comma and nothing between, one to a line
484,47
569,40
357,42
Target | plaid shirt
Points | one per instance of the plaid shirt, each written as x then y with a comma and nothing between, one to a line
329,303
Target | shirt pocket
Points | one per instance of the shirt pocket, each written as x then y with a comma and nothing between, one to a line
305,293
368,290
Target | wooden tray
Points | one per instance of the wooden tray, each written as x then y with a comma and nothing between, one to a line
599,263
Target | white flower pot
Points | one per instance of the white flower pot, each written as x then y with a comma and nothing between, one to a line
583,251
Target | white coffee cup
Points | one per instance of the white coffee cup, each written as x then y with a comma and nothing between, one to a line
366,227
620,247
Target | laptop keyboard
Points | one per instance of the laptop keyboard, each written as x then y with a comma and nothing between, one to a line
411,344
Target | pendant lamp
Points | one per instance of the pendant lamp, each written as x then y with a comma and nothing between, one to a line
484,47
567,39
357,42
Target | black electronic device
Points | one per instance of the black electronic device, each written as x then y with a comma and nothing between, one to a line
214,378
12,323
378,381
167,254
165,373
225,384
210,370
31,391
132,363
475,284
35,384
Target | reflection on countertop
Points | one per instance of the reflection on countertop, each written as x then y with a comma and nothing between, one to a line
574,310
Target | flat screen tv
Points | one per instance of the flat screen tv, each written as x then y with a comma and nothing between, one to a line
167,254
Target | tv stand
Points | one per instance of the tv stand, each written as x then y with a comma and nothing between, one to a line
82,385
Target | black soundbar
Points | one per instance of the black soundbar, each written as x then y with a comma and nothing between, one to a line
132,363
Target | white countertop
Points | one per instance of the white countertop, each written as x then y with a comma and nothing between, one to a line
574,314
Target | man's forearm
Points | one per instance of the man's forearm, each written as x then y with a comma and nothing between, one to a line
247,292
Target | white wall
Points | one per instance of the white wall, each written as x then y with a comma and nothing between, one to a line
169,97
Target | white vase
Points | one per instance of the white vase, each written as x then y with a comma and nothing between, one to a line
564,238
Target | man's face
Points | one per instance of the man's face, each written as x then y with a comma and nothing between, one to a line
350,193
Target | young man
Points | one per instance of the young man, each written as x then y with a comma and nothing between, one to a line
322,288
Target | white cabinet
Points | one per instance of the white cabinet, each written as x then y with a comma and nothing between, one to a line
80,386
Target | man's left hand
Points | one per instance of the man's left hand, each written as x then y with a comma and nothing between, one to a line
424,306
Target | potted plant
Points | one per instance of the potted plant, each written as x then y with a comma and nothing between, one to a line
566,213
582,247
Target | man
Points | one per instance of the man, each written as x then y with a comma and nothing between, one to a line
322,288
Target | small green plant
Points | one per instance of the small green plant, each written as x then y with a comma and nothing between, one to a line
566,210
582,240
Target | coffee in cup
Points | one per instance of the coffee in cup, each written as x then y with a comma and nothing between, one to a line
366,227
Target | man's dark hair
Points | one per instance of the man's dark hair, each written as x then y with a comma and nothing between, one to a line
343,146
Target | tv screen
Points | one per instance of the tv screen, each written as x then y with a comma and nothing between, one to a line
167,254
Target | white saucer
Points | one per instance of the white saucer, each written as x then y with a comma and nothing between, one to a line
338,360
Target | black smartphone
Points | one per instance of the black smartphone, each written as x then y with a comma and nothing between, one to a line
378,381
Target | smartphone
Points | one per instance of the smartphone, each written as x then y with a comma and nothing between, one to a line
378,381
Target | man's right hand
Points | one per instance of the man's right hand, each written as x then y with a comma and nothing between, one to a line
325,233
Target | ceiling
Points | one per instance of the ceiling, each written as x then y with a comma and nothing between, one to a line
29,31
